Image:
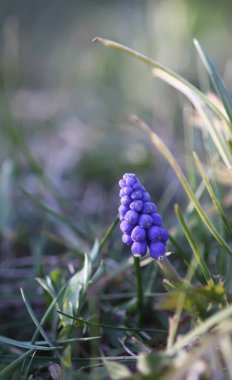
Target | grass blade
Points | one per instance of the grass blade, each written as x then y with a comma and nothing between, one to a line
21,344
48,311
157,65
158,143
10,368
194,247
34,318
116,328
216,79
215,133
108,233
212,194
56,215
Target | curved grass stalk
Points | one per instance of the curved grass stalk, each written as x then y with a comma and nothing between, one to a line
164,69
215,133
158,143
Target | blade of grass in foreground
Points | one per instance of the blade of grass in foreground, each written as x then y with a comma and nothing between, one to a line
11,367
158,143
106,326
217,318
194,247
43,320
21,344
34,318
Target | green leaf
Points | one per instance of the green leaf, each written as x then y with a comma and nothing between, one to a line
212,321
117,371
216,79
191,240
81,322
17,343
34,318
76,287
199,300
215,133
5,193
153,364
199,99
108,233
154,64
7,371
46,284
212,194
56,215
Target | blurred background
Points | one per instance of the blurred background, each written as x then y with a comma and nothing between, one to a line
65,138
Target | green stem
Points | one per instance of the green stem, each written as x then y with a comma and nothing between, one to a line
139,288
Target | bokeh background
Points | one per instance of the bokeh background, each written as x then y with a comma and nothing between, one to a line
65,137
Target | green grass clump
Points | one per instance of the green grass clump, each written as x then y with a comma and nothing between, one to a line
82,318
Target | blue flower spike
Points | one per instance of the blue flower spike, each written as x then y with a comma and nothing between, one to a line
141,225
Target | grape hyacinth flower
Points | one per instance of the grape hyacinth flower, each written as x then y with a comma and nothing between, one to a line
141,225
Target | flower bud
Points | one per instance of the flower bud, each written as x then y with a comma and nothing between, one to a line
132,216
139,249
145,221
138,234
136,205
126,227
157,249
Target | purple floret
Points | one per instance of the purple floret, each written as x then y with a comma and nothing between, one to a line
122,211
126,227
132,217
127,190
146,196
157,249
138,234
127,239
122,183
139,249
136,205
137,194
157,219
145,221
164,235
125,200
130,179
154,233
149,208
